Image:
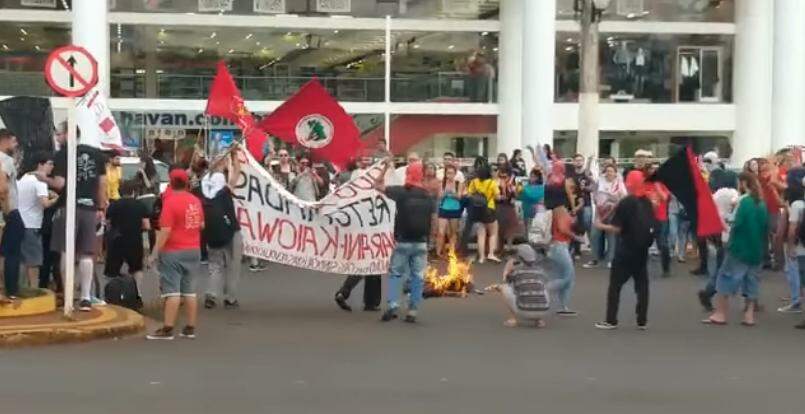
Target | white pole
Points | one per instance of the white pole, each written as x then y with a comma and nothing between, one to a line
387,106
69,251
510,79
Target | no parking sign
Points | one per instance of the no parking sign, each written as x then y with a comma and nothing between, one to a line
71,71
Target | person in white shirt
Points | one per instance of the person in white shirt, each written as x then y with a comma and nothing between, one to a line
33,199
397,177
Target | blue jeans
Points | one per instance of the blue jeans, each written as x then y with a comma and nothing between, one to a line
408,260
603,244
792,274
565,277
735,276
679,230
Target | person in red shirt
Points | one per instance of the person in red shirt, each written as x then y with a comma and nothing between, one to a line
772,188
178,250
559,250
659,195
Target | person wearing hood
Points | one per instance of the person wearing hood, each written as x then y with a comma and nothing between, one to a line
222,232
412,226
635,224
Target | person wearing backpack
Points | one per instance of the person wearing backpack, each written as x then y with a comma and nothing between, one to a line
525,289
795,241
411,231
483,191
635,224
222,232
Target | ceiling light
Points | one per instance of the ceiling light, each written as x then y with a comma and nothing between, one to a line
451,47
416,46
495,49
162,30
22,39
23,31
212,36
5,47
569,48
569,40
289,34
231,51
335,31
257,43
249,36
217,43
485,34
201,51
37,48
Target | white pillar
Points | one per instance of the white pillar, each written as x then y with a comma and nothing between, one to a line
91,31
753,79
788,111
539,44
510,71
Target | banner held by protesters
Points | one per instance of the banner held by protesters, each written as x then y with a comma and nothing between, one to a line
351,231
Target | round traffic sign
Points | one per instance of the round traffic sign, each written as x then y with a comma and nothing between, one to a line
71,71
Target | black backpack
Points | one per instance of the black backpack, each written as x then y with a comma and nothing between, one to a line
414,215
122,291
219,224
530,289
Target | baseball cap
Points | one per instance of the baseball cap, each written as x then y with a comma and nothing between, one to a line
179,174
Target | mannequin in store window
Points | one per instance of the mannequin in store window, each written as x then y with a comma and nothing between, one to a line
689,82
624,60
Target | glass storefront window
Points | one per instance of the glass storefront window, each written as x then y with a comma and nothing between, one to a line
467,136
444,67
267,63
651,68
660,10
24,48
623,144
420,9
36,4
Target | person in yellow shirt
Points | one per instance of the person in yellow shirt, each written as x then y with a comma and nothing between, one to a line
483,186
114,173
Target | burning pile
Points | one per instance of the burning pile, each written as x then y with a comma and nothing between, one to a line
456,282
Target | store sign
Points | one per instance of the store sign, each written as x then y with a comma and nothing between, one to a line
214,5
173,120
48,4
269,6
333,6
349,232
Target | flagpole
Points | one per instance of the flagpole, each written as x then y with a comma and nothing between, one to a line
387,113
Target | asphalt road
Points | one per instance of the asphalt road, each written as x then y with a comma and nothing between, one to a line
290,350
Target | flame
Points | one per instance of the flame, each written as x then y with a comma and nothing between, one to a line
457,279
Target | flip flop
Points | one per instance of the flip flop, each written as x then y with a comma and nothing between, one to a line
710,321
748,324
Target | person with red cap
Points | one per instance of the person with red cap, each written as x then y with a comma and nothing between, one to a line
411,231
178,252
635,224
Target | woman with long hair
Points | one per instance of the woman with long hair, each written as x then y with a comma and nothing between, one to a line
609,192
744,257
517,163
483,192
147,179
450,193
506,213
532,195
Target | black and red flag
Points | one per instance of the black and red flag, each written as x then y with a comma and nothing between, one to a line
683,178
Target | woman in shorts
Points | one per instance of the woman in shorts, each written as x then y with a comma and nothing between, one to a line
450,193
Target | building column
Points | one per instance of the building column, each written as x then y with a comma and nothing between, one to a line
788,119
539,44
91,31
753,79
510,71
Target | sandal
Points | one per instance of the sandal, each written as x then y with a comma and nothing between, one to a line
710,321
748,324
510,323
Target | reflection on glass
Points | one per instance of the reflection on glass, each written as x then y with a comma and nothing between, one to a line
623,144
420,9
444,67
430,136
24,48
660,10
650,68
267,63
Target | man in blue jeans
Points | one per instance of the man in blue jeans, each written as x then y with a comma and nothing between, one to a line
411,232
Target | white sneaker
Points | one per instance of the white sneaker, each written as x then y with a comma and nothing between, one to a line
791,308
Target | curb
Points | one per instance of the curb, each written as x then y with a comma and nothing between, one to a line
113,322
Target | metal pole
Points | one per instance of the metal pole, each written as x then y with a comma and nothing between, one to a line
587,143
69,251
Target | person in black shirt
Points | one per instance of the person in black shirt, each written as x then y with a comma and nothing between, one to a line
411,231
91,202
128,219
635,225
580,185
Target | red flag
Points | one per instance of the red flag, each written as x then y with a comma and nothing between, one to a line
225,101
314,120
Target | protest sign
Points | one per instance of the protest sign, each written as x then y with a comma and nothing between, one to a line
351,231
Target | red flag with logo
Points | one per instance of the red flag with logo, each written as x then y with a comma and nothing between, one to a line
314,120
225,101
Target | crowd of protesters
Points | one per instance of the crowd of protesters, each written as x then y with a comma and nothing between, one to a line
530,208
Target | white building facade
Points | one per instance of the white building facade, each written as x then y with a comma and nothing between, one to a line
475,77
